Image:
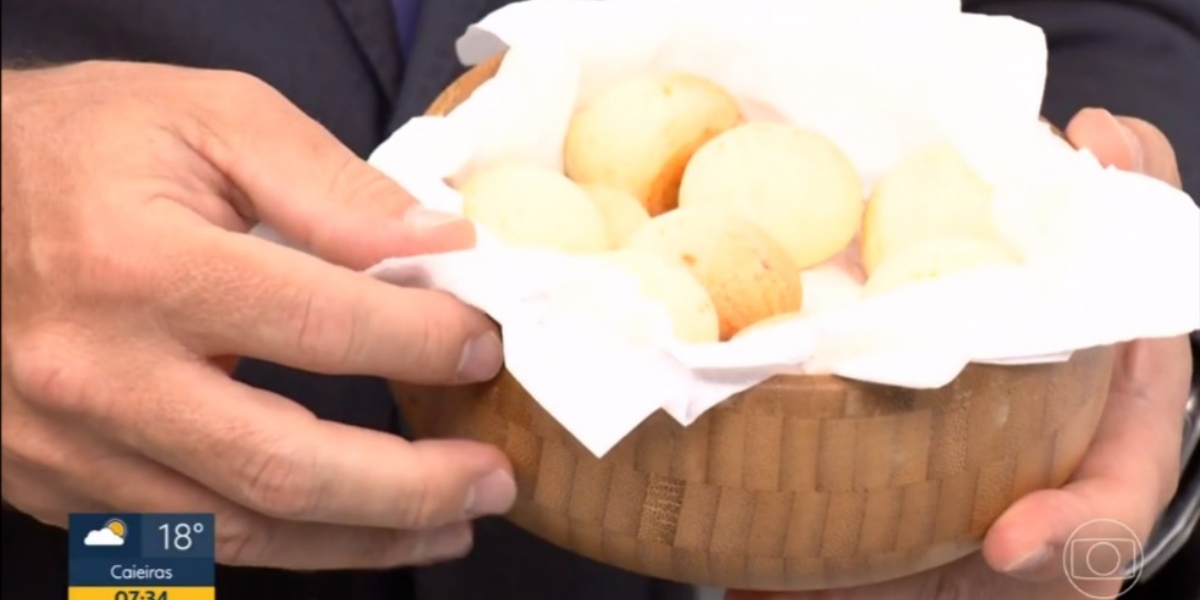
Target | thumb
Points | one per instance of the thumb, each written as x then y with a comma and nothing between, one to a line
289,172
1126,143
1125,480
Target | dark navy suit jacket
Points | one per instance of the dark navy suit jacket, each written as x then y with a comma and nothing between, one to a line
339,61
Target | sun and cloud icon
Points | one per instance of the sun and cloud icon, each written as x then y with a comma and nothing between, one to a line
112,534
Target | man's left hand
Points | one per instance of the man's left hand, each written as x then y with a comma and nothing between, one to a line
1128,475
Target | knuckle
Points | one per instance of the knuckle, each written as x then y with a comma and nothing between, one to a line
241,539
432,358
240,85
237,99
45,371
104,264
108,271
281,482
418,509
361,193
426,352
97,257
228,100
437,341
429,498
360,186
324,335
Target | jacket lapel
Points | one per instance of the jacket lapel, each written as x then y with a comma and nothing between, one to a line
434,63
373,28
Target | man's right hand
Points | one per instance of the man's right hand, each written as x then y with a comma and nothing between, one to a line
127,194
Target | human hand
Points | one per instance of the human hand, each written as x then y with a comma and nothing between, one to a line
127,194
1129,473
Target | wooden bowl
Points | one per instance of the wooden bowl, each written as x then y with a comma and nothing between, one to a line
799,483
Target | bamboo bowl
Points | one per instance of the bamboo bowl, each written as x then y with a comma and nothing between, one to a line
799,483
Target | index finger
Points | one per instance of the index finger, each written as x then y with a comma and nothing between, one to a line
288,171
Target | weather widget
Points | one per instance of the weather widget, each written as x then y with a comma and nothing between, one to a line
141,557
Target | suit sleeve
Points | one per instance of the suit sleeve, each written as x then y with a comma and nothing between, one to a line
1134,57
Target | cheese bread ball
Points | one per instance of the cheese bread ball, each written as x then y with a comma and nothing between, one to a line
933,195
638,135
747,274
795,184
532,206
672,286
622,213
933,259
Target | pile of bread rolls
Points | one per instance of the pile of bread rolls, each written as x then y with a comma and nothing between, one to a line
716,217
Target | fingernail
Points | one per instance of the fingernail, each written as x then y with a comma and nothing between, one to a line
1130,140
425,218
1031,562
481,358
491,495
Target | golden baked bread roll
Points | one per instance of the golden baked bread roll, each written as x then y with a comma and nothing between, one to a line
623,214
795,184
933,259
747,274
673,287
637,136
532,206
934,194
